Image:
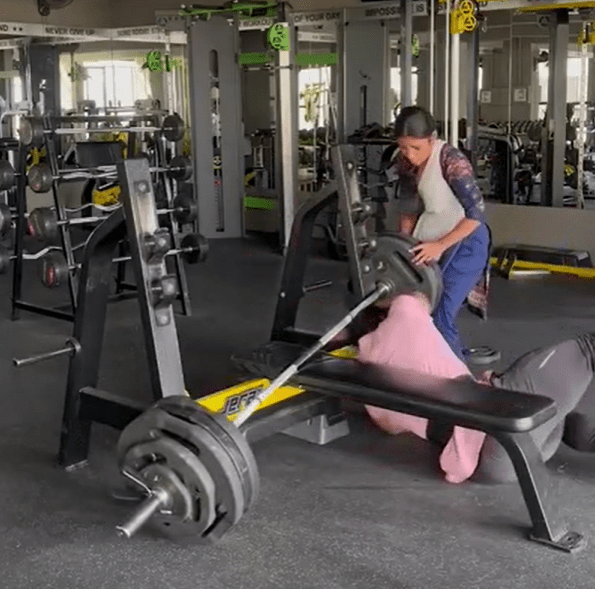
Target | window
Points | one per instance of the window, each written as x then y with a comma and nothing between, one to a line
17,94
395,86
119,83
314,92
573,81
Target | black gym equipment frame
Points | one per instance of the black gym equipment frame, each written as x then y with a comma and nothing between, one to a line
328,382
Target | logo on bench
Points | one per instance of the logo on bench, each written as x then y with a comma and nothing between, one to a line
237,402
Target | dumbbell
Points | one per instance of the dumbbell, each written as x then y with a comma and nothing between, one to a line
32,132
40,177
6,257
7,175
195,467
43,222
54,268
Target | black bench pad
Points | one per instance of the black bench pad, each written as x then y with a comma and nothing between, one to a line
461,402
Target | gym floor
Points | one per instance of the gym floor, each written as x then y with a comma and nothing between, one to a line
368,510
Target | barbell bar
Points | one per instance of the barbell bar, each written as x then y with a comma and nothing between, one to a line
71,348
32,131
6,257
54,268
40,177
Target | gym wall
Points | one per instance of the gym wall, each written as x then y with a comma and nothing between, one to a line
543,226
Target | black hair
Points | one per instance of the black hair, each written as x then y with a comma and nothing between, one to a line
414,121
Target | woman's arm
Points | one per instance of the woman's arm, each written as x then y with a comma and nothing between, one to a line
407,223
465,228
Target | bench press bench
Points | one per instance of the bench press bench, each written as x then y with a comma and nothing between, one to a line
506,415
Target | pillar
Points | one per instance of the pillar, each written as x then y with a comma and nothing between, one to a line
552,182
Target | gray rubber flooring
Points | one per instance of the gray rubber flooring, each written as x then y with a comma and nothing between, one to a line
366,511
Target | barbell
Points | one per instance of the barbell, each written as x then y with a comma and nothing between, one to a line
32,131
195,467
6,257
40,177
54,268
43,222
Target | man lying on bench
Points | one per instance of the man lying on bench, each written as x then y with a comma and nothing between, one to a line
405,337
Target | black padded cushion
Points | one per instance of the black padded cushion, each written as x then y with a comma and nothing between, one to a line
461,402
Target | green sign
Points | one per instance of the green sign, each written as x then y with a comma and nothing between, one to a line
278,37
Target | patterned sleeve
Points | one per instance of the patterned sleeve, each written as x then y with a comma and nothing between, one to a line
459,175
406,194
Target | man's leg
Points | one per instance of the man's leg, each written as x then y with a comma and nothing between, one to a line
562,372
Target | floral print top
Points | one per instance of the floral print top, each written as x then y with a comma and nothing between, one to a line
459,175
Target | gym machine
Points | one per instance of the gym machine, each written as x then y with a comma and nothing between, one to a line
193,459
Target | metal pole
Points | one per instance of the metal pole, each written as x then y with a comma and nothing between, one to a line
510,196
432,51
582,137
287,130
446,131
552,182
406,62
455,82
473,98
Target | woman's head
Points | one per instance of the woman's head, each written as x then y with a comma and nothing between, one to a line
415,129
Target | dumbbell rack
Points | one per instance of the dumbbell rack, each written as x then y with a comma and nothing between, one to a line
67,311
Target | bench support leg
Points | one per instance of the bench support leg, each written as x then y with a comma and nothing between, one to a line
538,488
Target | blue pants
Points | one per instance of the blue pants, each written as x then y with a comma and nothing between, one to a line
462,267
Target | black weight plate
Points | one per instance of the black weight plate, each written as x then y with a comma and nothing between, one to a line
40,178
391,261
173,128
54,270
188,467
5,219
197,246
482,355
229,492
4,259
228,434
212,451
185,209
180,168
7,176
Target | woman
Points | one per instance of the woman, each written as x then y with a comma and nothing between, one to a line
406,338
442,206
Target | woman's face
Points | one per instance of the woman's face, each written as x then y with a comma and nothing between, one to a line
417,151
